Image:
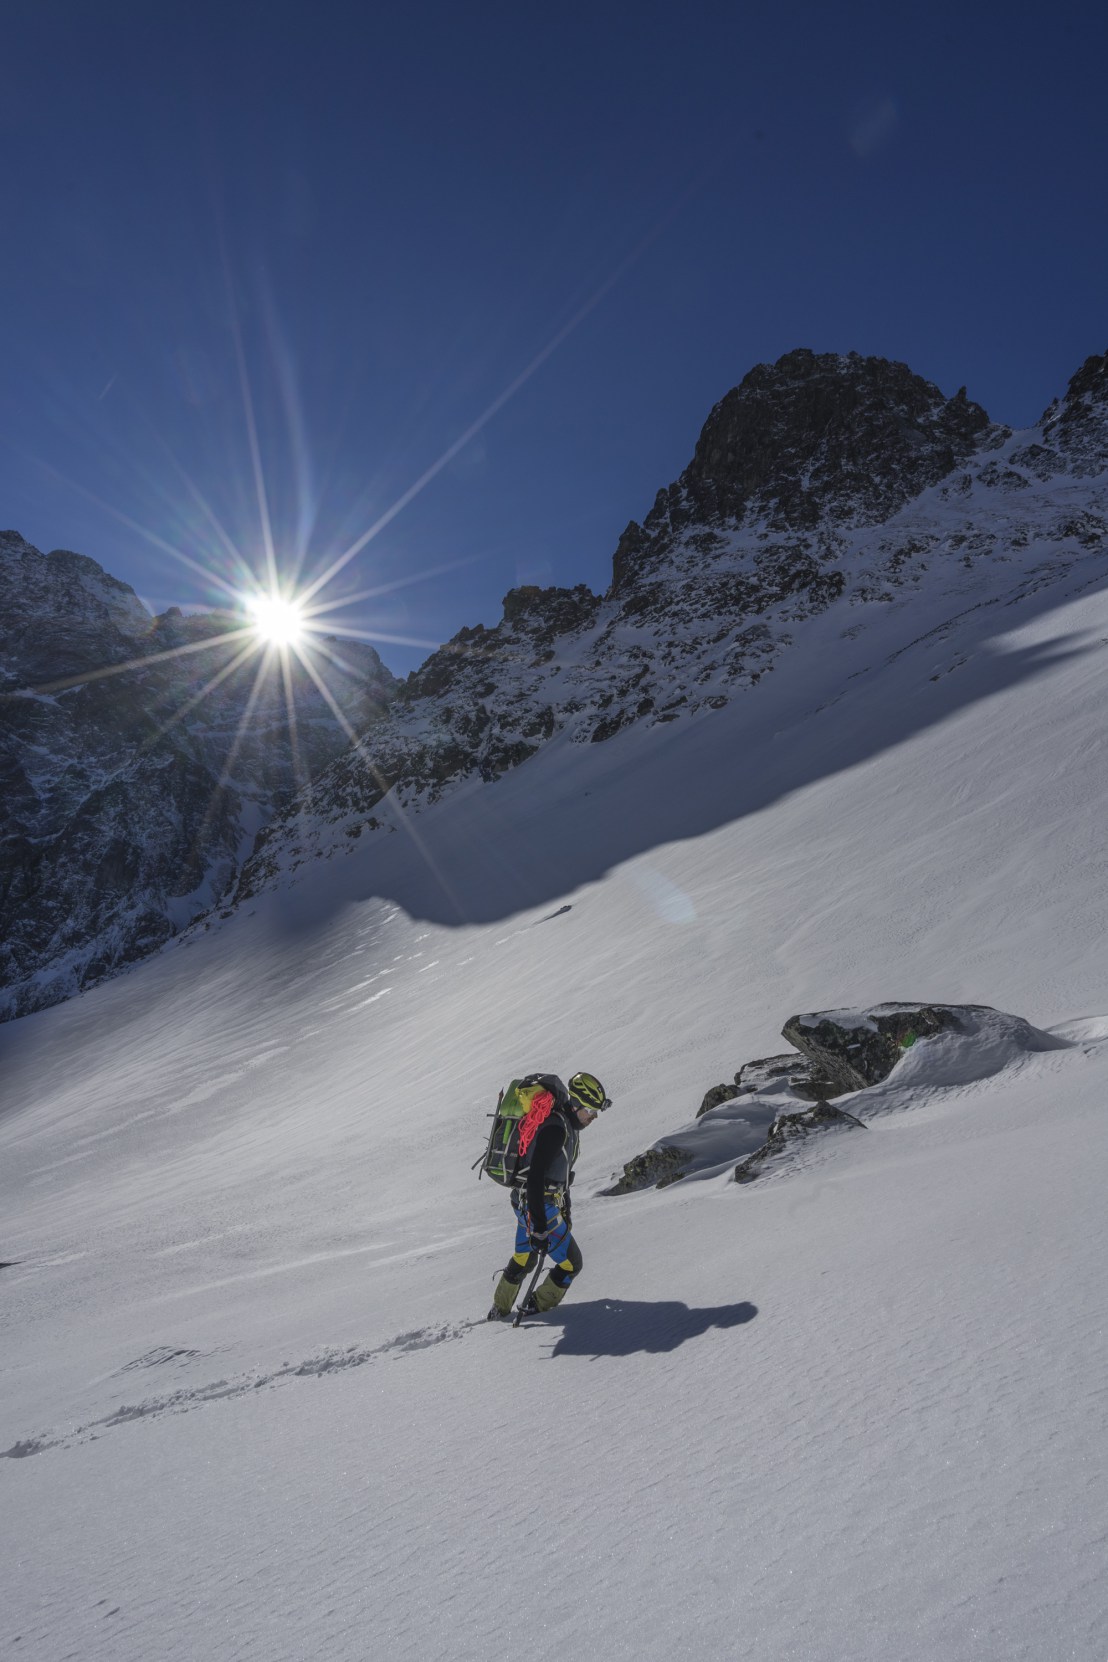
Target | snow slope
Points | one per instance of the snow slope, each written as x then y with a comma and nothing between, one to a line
850,1411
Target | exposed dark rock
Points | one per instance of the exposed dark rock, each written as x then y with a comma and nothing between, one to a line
1078,426
655,1169
61,615
1002,478
442,669
811,438
615,723
789,1129
858,1048
718,1095
551,611
532,617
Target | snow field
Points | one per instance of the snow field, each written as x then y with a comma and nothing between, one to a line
877,1442
851,1412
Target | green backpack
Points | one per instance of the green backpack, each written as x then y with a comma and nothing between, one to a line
520,1110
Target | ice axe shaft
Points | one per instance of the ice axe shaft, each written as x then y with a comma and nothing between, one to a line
530,1288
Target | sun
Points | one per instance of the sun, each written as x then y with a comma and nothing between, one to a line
277,620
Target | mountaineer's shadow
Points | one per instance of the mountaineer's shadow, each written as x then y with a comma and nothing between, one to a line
621,1327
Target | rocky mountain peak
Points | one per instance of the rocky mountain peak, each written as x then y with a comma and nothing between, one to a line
1077,425
1089,384
540,611
814,438
94,618
533,618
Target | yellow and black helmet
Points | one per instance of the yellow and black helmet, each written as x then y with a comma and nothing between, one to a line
586,1091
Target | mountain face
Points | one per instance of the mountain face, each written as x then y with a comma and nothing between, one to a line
821,482
129,795
810,440
822,486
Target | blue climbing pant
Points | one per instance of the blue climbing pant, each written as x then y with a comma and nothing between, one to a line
561,1248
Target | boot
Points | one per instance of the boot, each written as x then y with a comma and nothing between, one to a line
547,1295
503,1299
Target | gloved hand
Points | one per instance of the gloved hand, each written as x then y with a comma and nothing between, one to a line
539,1239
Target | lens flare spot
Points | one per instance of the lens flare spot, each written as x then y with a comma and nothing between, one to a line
663,897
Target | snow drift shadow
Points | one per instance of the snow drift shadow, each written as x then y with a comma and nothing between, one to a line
622,1327
488,855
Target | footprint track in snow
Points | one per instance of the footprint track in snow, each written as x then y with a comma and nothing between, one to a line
160,1355
241,1385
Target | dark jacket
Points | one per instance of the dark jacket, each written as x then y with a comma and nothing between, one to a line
553,1152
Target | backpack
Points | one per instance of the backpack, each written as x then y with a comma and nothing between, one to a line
520,1110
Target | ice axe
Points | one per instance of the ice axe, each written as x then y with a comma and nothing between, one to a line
530,1289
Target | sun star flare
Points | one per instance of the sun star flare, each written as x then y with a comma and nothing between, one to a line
278,620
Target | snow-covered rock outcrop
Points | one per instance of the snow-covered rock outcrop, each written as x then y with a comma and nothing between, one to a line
768,1112
851,1049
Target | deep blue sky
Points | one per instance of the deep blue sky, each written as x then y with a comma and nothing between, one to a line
399,206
